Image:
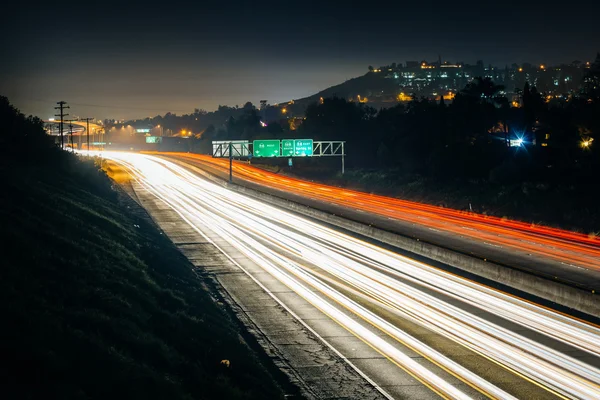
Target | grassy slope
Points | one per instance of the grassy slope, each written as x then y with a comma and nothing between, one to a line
95,307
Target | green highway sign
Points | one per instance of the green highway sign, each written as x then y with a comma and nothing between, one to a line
303,147
283,148
296,147
266,148
153,139
287,147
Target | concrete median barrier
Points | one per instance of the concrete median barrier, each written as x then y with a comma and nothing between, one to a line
557,292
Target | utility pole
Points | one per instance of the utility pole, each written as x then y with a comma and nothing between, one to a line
62,115
71,133
79,142
87,130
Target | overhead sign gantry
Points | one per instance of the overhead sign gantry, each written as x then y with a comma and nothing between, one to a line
275,148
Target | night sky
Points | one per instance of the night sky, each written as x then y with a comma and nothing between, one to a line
118,60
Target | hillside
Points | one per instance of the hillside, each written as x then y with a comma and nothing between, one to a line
373,86
98,304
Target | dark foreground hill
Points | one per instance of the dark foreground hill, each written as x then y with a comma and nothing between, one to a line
96,303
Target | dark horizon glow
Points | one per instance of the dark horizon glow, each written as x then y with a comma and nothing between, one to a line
135,61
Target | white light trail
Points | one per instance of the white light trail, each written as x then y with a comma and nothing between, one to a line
298,252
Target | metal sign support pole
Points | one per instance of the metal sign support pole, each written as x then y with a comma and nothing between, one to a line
230,163
342,158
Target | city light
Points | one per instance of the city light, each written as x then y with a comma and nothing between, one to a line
449,96
586,143
404,97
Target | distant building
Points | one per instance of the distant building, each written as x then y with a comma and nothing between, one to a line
429,79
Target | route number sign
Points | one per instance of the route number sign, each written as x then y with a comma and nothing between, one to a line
287,147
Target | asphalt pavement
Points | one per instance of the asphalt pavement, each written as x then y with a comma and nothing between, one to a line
552,256
402,327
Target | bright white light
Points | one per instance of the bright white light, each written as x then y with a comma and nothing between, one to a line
316,262
517,142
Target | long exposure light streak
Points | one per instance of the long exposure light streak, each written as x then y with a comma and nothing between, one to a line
298,252
570,248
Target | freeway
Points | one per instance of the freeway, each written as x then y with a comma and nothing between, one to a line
570,257
506,347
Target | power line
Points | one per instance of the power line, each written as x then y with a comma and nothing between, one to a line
130,108
116,107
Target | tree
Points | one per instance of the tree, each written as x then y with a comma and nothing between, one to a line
483,89
533,106
204,145
339,119
18,131
231,127
475,111
209,132
274,129
371,69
